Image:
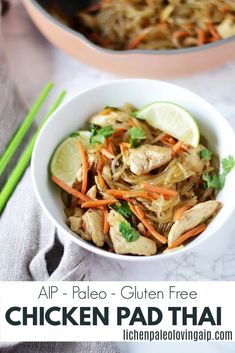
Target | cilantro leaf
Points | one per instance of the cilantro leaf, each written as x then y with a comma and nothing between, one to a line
93,129
99,135
110,107
228,164
205,154
123,208
136,133
106,131
136,136
74,134
134,114
128,232
218,181
214,181
98,139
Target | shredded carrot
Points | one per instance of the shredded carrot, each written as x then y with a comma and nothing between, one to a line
176,148
179,213
180,34
106,223
101,180
168,140
99,164
154,233
147,225
171,140
213,30
69,189
148,234
97,203
117,193
201,37
139,39
126,194
124,146
131,122
191,233
159,190
224,9
105,111
119,132
109,145
85,167
138,194
140,211
106,153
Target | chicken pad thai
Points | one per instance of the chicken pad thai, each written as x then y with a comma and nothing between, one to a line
131,188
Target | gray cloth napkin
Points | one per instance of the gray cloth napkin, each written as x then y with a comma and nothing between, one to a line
31,247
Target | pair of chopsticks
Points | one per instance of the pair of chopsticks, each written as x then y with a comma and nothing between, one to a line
24,160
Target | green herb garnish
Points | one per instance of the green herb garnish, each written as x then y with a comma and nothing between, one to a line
214,181
98,139
134,114
228,164
217,181
74,134
128,232
123,208
137,135
93,129
100,135
205,154
106,131
110,107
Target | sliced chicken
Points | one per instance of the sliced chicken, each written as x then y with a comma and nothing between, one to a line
78,212
191,218
75,224
227,27
93,226
147,157
141,246
92,192
113,117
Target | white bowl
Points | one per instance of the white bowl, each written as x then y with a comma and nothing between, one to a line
139,92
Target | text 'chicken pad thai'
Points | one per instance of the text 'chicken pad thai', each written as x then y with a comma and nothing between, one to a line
151,24
131,187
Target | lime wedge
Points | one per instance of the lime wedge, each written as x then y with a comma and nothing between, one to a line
173,120
66,160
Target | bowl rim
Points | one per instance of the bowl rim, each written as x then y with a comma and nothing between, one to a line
90,247
92,45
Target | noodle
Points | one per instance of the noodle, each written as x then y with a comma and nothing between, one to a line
155,24
132,180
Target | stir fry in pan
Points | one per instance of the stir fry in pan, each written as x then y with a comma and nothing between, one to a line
148,24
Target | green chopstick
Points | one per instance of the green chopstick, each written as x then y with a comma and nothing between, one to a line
24,127
25,158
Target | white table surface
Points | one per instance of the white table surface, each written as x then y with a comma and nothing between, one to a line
33,61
